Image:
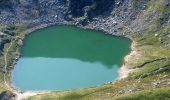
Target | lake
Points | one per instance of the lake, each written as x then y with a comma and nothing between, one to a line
66,58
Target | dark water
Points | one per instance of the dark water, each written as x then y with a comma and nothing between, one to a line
64,58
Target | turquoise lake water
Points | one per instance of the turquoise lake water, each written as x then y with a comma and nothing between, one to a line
66,58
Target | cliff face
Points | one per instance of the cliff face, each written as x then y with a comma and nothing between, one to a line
32,11
88,12
76,8
51,10
48,10
92,7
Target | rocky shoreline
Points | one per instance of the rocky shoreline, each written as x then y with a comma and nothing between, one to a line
125,70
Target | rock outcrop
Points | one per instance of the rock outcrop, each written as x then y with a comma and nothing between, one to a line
106,15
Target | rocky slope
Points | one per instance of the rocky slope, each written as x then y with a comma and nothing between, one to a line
107,15
37,12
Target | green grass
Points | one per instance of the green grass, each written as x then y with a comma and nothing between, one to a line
1,89
2,26
81,94
154,94
151,47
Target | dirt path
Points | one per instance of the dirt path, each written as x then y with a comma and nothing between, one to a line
7,86
6,64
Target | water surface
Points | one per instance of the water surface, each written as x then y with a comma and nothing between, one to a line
65,58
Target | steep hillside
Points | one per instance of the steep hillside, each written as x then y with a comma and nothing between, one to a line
146,22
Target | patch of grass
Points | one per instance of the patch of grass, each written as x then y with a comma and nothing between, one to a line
151,46
1,89
154,94
155,15
81,94
2,26
157,5
151,68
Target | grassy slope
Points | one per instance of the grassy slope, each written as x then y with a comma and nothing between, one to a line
151,81
154,94
11,56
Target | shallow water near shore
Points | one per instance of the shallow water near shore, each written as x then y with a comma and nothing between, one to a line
66,58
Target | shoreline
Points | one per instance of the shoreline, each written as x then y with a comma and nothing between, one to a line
124,69
20,94
28,94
